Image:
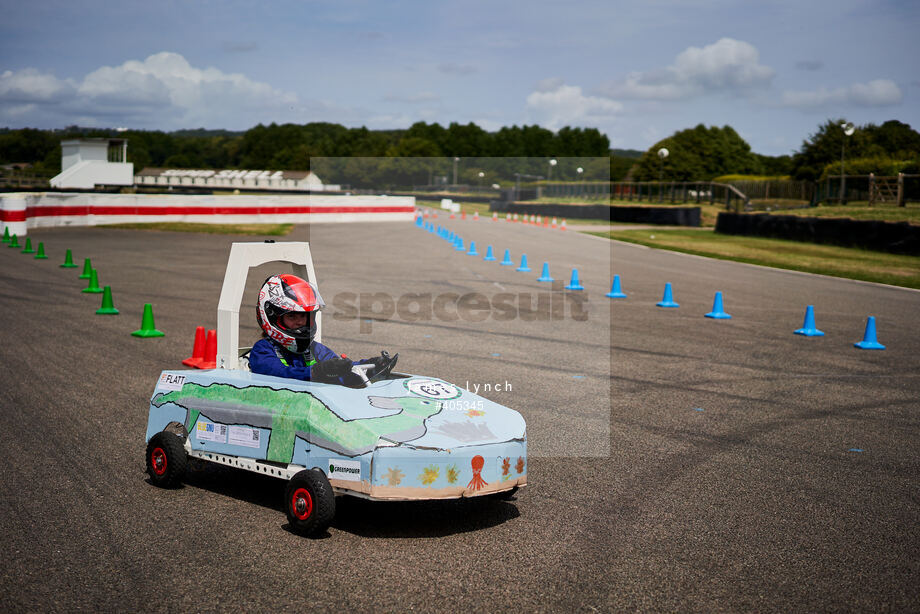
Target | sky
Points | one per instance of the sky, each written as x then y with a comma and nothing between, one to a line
638,71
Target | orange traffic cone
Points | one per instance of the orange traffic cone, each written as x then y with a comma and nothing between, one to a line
197,349
210,351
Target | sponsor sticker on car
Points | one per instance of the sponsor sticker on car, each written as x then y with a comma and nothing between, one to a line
432,388
244,436
210,431
349,470
170,381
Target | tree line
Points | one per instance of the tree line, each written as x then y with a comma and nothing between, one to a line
424,153
701,154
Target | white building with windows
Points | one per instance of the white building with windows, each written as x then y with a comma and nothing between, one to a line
87,163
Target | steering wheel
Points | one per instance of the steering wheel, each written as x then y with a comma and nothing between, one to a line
385,370
363,370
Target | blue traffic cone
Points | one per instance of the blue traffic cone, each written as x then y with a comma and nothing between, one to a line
544,276
574,284
667,300
459,244
419,221
506,261
869,341
615,291
718,313
472,251
489,255
523,268
808,327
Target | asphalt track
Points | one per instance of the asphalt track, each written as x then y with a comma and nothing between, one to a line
676,462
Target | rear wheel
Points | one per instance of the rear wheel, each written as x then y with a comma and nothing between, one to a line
309,502
167,460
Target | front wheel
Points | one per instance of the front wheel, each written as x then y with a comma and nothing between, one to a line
309,502
166,459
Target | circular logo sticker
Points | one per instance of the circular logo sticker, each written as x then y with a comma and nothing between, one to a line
432,389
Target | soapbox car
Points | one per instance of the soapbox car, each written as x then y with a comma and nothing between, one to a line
397,437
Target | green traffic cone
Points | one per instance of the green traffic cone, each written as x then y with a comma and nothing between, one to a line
28,248
14,242
87,269
108,307
148,329
41,252
68,261
6,234
93,287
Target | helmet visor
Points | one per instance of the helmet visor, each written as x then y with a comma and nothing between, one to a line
297,322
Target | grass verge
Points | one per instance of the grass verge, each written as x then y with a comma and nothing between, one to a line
271,230
851,263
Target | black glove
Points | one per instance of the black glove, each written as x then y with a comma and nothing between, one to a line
331,369
379,362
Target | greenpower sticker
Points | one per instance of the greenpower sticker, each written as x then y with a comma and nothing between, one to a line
349,470
432,389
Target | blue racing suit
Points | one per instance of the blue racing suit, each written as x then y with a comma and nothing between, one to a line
269,358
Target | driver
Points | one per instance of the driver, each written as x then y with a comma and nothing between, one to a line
286,312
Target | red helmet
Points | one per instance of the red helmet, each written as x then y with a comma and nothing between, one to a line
281,294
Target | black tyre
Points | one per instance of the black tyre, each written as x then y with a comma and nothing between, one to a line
167,460
309,502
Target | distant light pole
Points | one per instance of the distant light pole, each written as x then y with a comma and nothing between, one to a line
456,159
549,174
848,130
581,190
662,155
481,175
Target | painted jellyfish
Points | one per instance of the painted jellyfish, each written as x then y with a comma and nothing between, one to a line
477,482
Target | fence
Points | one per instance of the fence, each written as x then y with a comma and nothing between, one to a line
697,192
582,189
874,189
23,179
778,192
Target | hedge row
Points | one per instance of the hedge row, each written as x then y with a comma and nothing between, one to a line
893,237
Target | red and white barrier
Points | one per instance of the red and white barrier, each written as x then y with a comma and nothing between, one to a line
20,211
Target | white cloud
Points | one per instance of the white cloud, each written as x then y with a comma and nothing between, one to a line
567,105
31,86
162,91
876,93
727,65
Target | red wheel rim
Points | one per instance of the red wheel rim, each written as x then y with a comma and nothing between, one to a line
158,461
301,504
